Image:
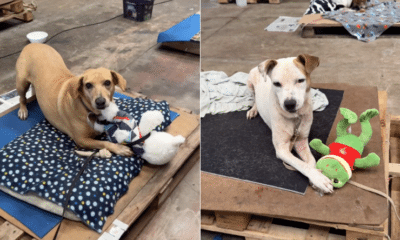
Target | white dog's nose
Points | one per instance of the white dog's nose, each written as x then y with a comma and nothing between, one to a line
290,105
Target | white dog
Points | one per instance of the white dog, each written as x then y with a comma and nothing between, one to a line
282,97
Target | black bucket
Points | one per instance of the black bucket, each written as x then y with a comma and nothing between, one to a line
138,10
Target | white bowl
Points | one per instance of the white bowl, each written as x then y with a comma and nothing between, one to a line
37,37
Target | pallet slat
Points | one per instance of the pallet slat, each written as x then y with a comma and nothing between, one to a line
317,233
10,232
232,220
395,187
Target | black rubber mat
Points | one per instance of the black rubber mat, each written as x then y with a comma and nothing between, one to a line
235,147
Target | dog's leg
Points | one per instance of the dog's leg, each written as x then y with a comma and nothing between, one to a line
118,149
252,112
22,87
317,179
303,150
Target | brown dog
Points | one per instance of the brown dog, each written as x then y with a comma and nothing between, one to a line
65,99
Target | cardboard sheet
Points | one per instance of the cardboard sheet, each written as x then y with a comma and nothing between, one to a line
348,205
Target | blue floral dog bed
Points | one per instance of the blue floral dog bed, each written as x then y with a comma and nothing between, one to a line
43,161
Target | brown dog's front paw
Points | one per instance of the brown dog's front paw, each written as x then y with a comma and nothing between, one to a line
23,113
121,150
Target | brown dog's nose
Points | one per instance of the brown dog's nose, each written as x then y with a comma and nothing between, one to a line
100,103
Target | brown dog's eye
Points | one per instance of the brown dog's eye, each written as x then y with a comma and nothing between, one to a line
107,83
277,84
301,80
88,85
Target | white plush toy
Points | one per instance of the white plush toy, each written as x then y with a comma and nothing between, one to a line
158,147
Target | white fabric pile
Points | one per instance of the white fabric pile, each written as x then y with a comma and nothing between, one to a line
221,94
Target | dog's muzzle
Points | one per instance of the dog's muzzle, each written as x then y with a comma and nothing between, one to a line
290,105
100,103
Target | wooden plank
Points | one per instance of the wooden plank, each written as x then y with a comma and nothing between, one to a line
16,6
276,232
395,188
395,126
260,224
394,169
136,228
385,134
190,47
275,1
152,188
361,236
232,220
357,228
317,233
207,217
26,16
163,195
134,231
10,232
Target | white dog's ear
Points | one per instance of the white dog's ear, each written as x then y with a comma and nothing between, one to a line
266,67
309,62
119,80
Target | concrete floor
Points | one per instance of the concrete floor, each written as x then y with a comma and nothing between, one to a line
234,39
131,49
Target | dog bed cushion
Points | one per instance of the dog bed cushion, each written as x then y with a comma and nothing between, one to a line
43,161
235,147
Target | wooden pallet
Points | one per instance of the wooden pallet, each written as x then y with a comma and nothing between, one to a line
147,192
252,1
16,10
257,227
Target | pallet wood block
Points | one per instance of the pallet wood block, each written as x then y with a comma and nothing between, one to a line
16,6
361,236
317,233
10,232
207,218
232,220
260,224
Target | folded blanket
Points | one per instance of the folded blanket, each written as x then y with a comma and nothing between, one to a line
220,93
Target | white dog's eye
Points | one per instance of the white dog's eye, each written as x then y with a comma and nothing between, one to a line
277,84
301,80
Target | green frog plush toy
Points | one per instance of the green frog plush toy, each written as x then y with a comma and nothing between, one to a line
345,152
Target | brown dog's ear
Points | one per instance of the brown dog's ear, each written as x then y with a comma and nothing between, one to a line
76,87
266,67
118,80
309,62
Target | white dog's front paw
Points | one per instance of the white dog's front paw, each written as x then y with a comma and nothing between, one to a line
252,113
320,182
